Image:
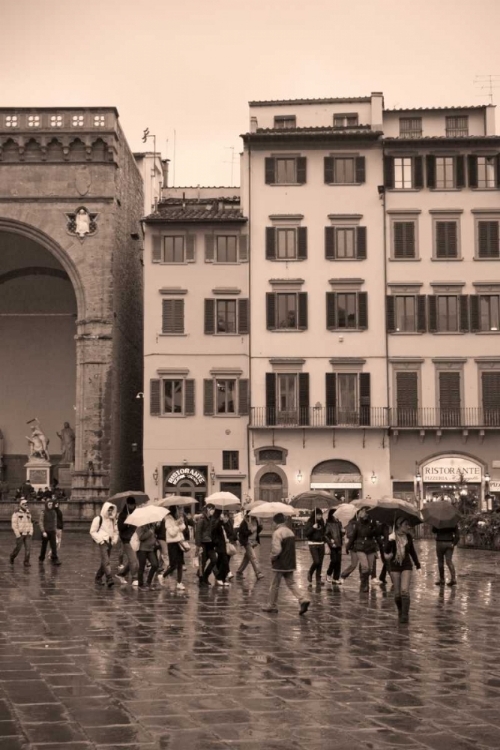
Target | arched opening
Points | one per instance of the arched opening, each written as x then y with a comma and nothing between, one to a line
271,487
341,477
38,312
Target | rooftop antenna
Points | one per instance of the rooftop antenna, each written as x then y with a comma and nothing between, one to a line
231,148
488,82
173,176
146,134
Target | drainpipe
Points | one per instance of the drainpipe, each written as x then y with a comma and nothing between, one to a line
250,306
387,368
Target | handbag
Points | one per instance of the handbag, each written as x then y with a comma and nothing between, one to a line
230,549
184,545
135,542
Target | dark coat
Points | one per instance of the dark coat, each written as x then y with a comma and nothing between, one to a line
410,554
244,533
48,519
218,538
316,536
334,533
147,538
283,557
125,530
203,530
364,536
60,521
447,535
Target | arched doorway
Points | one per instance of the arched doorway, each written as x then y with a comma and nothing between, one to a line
38,312
271,487
342,478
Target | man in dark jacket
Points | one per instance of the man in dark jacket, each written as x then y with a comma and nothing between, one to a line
249,538
126,532
48,527
283,563
446,541
203,536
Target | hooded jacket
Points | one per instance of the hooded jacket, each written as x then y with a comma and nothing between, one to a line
147,537
108,531
334,533
283,549
22,525
125,530
174,528
48,518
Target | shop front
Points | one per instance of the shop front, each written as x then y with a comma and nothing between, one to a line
187,481
451,477
342,478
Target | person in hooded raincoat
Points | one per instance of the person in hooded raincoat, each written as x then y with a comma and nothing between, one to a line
104,532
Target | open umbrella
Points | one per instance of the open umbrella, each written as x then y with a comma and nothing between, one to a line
441,514
345,513
268,510
180,500
255,504
314,499
147,514
224,500
121,498
388,509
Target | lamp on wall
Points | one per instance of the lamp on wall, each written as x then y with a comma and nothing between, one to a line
373,478
299,476
155,476
212,474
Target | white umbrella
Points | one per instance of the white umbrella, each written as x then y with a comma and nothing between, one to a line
345,513
224,500
268,510
168,502
147,514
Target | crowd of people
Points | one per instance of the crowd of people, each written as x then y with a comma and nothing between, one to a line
152,553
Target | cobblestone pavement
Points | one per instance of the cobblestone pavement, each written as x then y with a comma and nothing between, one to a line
84,667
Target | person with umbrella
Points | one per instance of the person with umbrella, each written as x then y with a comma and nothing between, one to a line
174,530
363,540
146,553
283,562
126,532
249,537
401,553
315,534
205,544
334,535
443,517
222,533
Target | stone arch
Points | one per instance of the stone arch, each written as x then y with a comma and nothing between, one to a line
55,150
271,469
32,151
335,466
37,235
10,151
99,150
452,454
78,150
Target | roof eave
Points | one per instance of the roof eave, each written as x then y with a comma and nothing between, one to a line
286,137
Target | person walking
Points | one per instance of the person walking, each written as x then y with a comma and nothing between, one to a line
353,562
222,533
59,524
146,553
174,534
22,526
446,541
283,563
204,543
126,532
249,532
315,534
334,534
364,542
401,552
104,532
48,526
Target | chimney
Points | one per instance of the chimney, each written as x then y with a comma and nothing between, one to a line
164,166
377,108
253,124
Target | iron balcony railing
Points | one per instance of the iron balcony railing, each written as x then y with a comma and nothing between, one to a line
381,416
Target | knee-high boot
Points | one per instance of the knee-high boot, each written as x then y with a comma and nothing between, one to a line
405,608
397,599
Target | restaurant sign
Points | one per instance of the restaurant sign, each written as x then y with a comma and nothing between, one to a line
176,474
452,469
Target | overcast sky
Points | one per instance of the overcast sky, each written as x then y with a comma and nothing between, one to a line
192,66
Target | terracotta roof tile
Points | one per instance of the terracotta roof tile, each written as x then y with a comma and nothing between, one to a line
284,102
436,109
200,213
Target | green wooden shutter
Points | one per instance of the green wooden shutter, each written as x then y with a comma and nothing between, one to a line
360,169
270,243
464,312
475,324
330,243
390,313
270,171
421,313
189,403
449,399
488,239
330,310
328,170
431,170
361,248
243,316
271,398
154,397
157,248
362,310
446,239
243,405
166,317
302,311
209,316
331,398
301,170
460,171
173,316
208,398
407,399
178,316
490,382
404,239
432,301
243,248
388,171
472,169
418,172
303,398
497,166
209,248
302,243
364,399
271,311
190,248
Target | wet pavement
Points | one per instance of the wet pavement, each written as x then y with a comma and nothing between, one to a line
84,667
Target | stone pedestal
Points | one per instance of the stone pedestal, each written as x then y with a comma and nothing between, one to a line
38,471
64,477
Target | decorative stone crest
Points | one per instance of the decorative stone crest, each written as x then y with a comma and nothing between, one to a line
82,223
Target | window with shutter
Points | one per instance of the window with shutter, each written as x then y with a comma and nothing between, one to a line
303,398
173,316
410,127
422,313
226,316
189,398
173,249
344,170
190,248
243,248
208,398
345,243
328,169
225,396
301,170
286,243
403,172
302,311
285,171
446,239
243,397
433,324
209,248
271,243
490,386
302,243
243,316
486,171
360,169
485,312
418,172
445,172
361,243
271,311
154,397
331,398
330,243
362,310
405,310
447,313
390,315
450,399
488,240
389,174
286,308
157,246
364,398
404,240
226,248
287,399
331,307
270,169
173,396
209,316
406,399
464,312
271,398
430,164
460,171
472,170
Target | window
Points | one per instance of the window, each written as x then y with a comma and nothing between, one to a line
457,126
226,316
488,239
446,239
345,121
271,455
225,396
489,312
490,387
233,487
406,313
345,242
173,396
283,122
230,460
287,398
343,170
11,121
34,121
99,121
407,398
410,127
404,245
173,316
347,398
445,172
450,401
56,121
286,245
346,310
403,172
486,172
447,313
285,170
286,311
173,251
77,121
227,249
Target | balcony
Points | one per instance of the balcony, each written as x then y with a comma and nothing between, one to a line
435,418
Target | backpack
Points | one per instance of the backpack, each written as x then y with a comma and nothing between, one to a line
99,524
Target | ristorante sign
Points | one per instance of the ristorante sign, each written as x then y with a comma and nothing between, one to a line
176,474
452,470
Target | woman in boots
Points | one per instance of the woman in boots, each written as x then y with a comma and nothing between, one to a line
364,542
315,535
401,552
334,534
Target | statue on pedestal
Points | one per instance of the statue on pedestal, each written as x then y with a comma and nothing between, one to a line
38,442
67,437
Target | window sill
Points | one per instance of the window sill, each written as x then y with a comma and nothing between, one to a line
485,189
487,260
173,416
405,260
404,190
346,260
225,262
286,330
448,333
446,190
486,333
225,416
407,333
173,334
173,262
344,184
286,260
285,184
347,330
446,260
226,335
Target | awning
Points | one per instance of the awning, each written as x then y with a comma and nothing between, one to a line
337,482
